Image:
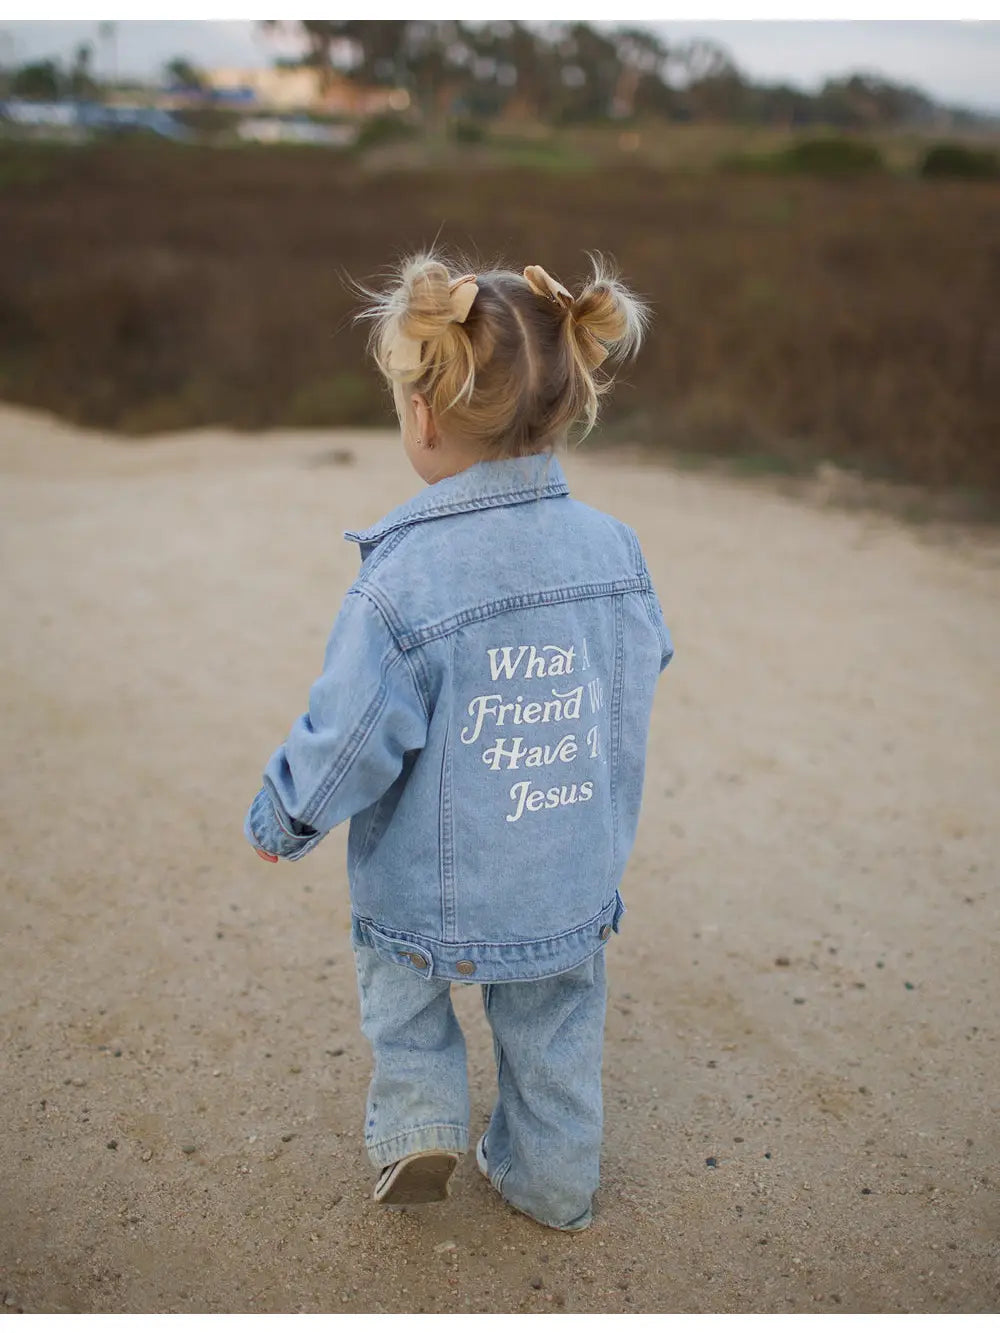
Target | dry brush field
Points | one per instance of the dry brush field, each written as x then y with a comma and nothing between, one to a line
146,288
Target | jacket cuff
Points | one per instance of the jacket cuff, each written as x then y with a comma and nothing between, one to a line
264,828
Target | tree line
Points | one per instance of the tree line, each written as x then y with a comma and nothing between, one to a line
560,73
553,73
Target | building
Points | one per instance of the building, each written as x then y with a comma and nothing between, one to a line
273,129
302,89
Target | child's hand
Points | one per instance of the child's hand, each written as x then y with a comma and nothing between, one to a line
264,856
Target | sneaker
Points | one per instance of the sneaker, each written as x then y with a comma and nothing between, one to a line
423,1177
481,1157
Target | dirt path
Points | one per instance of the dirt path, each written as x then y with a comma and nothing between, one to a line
802,1068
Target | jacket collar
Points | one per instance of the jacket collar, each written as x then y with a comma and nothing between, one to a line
505,481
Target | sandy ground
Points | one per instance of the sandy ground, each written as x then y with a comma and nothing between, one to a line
802,1071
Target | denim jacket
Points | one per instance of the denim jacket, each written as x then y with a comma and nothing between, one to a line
481,718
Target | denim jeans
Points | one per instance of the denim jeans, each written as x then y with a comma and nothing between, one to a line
544,1137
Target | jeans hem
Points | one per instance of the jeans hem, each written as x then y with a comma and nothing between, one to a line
496,1180
424,1138
577,1224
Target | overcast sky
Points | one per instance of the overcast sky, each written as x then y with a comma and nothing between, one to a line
957,63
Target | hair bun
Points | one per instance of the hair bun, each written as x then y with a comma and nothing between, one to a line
506,361
607,314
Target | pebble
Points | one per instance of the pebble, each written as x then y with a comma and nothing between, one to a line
711,1161
188,1148
287,1138
147,1156
798,1000
536,1283
909,985
782,961
295,1069
9,1300
445,1247
113,1143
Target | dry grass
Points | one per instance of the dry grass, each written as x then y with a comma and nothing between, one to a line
146,287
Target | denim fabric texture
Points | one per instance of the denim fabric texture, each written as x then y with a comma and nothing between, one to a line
481,718
544,1138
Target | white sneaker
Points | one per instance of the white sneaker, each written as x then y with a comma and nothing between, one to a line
422,1177
481,1156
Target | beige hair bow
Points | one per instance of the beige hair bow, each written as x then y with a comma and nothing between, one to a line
543,284
407,352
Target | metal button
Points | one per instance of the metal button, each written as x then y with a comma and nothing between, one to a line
465,967
605,932
417,960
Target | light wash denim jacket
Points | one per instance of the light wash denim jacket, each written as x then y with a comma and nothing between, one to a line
482,719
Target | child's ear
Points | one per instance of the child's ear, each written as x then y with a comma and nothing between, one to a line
426,429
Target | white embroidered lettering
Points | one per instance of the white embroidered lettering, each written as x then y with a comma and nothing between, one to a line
573,698
518,793
491,712
536,664
531,798
596,692
502,712
479,708
501,660
561,663
511,750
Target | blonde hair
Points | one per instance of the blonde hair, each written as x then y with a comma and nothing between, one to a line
518,372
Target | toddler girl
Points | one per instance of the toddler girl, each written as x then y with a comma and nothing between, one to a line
481,718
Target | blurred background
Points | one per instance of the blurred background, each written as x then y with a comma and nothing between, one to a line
181,205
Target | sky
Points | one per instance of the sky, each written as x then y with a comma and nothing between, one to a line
957,63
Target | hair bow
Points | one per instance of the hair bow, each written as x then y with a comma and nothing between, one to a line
543,284
407,352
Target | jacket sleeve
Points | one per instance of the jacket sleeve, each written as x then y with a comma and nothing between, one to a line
666,642
365,714
656,616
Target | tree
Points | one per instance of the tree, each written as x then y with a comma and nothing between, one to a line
40,81
180,72
554,71
81,77
643,61
589,74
